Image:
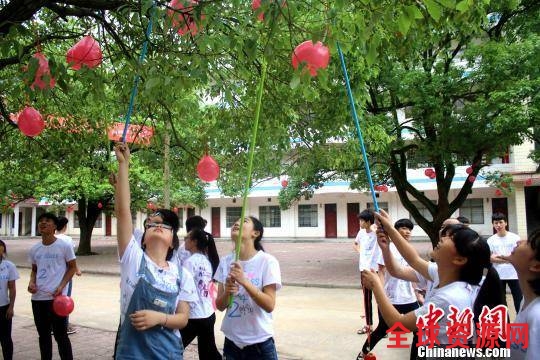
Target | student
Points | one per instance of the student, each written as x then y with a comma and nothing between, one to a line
8,276
252,282
369,255
201,314
61,234
461,257
501,244
526,260
53,265
400,292
154,292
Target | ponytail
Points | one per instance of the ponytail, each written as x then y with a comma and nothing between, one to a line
205,243
257,226
212,253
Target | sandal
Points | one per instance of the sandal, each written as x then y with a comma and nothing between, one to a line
364,330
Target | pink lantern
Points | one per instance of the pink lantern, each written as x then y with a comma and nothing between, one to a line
181,14
429,172
498,192
63,305
30,122
284,183
315,56
469,170
528,182
42,71
471,178
85,52
99,205
208,168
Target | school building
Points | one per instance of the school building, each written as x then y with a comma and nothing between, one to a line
332,211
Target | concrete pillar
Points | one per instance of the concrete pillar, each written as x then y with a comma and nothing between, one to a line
34,219
16,221
521,213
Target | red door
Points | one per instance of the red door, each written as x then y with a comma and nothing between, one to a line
216,225
353,209
108,224
330,220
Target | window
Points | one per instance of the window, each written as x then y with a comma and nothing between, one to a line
307,216
270,216
382,205
474,210
423,210
232,214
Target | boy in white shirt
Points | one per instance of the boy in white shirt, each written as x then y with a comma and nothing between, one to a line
501,244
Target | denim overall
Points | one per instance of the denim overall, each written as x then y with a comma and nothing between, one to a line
157,342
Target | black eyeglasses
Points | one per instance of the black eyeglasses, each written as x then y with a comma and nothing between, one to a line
158,225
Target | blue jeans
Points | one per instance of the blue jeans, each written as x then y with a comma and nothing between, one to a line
265,350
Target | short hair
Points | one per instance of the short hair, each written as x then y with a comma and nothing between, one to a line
498,216
406,223
49,216
62,222
367,215
463,219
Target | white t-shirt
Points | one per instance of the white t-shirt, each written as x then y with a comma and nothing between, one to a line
504,245
65,237
398,291
459,294
166,279
8,272
370,253
51,261
245,322
199,265
531,316
181,255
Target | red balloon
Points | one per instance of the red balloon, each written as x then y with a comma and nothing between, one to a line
469,170
433,175
384,188
30,122
42,71
429,172
85,52
255,4
471,178
315,56
498,192
181,14
370,356
528,182
208,169
63,305
99,205
284,183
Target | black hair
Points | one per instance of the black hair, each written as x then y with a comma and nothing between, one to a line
367,215
196,221
534,243
49,216
498,216
62,222
463,219
169,217
257,226
406,223
477,252
206,244
2,243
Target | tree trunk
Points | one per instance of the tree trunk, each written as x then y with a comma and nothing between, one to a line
88,213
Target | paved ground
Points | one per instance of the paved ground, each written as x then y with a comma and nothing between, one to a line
317,320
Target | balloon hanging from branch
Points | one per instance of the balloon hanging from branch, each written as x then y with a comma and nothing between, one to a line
43,73
208,169
181,13
85,52
314,56
256,7
30,122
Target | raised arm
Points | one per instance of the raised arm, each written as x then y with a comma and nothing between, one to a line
393,268
122,199
408,252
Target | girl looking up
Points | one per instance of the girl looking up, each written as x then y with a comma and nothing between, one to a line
252,282
154,292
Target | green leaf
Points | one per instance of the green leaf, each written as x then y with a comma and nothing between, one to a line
434,9
295,81
463,6
413,11
451,4
404,23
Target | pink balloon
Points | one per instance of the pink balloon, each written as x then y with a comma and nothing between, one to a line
284,183
471,178
85,52
30,122
208,169
469,170
429,172
42,71
63,305
315,56
181,15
